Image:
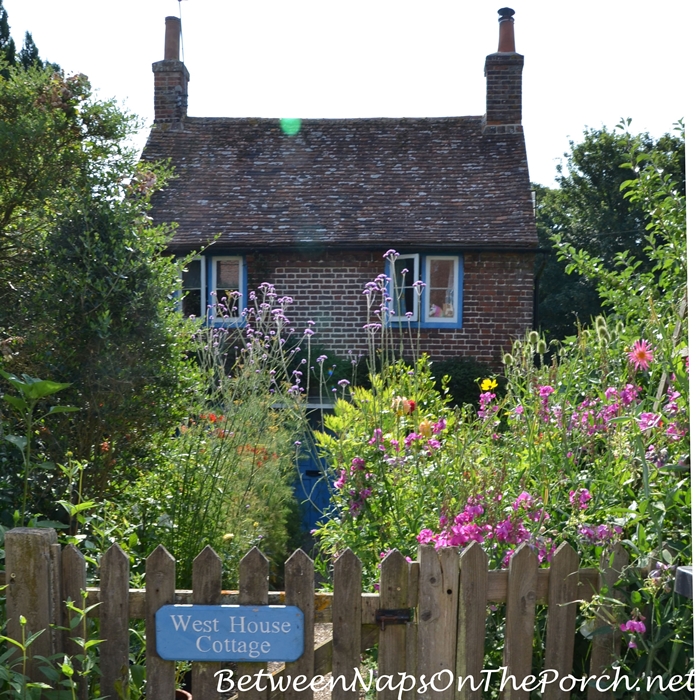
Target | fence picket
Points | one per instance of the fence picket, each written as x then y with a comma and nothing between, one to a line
561,617
253,574
412,627
393,595
30,577
73,582
347,622
607,645
160,590
437,616
520,619
114,622
299,585
206,590
473,590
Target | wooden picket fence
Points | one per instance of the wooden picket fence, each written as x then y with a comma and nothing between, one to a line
448,594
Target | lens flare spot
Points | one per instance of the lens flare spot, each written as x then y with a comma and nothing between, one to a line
290,127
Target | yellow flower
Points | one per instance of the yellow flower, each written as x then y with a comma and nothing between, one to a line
488,384
228,536
425,428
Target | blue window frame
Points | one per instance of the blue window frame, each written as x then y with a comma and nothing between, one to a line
437,302
214,288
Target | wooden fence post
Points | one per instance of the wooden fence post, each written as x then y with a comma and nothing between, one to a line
347,622
114,622
561,617
74,583
206,590
160,591
520,619
393,595
606,646
253,573
299,591
31,578
473,594
437,617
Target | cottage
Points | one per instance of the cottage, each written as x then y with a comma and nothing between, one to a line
312,205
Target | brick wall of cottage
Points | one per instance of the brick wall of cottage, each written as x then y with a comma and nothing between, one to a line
327,288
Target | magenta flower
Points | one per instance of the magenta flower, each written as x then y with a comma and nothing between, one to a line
546,391
425,537
649,420
641,355
357,463
579,498
439,426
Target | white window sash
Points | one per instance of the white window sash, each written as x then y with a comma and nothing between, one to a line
454,296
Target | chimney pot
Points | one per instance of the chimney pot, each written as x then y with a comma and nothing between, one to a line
170,81
504,81
172,39
506,35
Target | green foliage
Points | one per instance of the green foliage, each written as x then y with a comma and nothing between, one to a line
588,445
86,292
462,376
224,478
7,44
590,212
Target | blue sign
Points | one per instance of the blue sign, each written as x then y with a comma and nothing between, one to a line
229,632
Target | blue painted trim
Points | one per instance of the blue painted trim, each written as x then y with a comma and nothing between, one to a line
424,322
211,319
459,290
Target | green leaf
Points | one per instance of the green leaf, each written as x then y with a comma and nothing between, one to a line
33,637
636,597
18,441
62,409
17,403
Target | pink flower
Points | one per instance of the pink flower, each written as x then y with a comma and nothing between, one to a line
357,463
410,439
546,391
579,499
629,394
425,537
439,426
649,420
641,355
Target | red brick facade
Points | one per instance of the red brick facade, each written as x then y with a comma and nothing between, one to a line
327,288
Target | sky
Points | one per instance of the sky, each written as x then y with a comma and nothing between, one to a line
586,64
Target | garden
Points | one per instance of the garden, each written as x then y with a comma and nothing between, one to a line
123,422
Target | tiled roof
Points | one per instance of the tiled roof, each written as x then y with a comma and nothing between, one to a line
346,183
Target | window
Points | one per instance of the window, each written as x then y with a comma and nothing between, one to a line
226,289
217,284
193,288
438,304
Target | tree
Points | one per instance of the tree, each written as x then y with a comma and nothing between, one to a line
86,293
7,44
29,54
590,211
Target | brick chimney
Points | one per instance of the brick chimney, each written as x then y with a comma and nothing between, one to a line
504,81
171,78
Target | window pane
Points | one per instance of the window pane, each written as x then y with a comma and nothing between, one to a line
442,289
227,281
227,275
192,275
192,303
405,301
